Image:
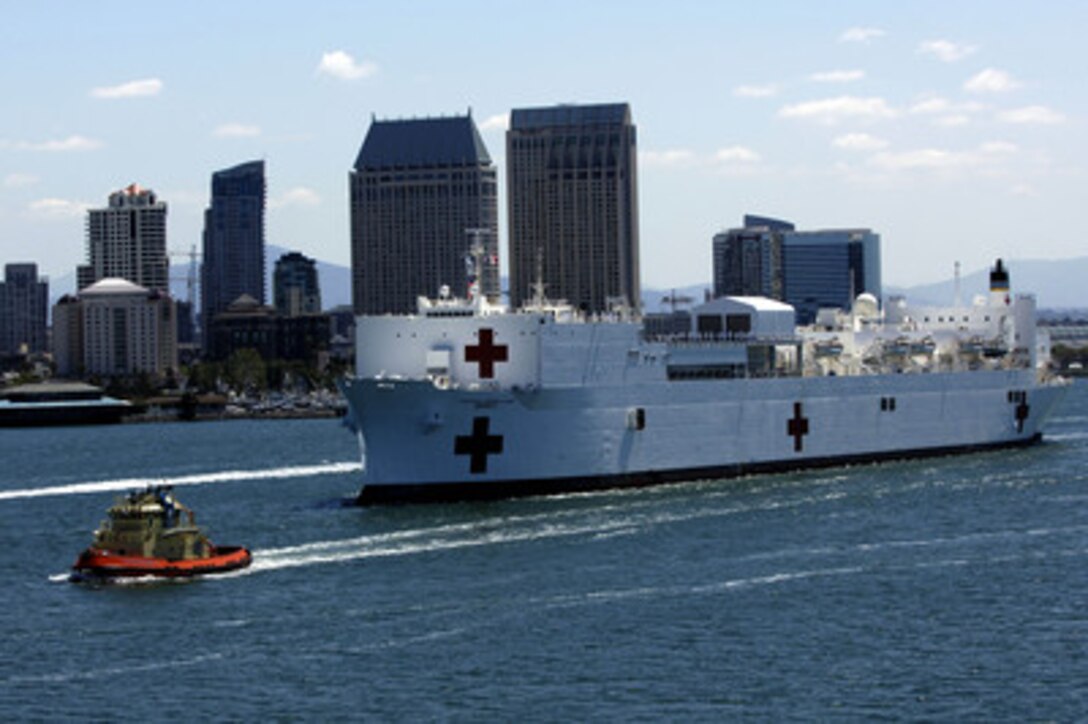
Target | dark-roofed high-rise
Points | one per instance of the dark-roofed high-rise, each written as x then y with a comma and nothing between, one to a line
233,239
573,204
421,191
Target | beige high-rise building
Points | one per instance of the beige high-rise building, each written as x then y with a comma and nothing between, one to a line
127,240
572,198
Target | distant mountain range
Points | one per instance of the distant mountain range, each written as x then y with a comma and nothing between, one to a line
1057,284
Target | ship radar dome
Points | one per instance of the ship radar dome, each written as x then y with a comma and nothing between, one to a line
866,305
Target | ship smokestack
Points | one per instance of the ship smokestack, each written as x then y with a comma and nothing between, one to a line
999,284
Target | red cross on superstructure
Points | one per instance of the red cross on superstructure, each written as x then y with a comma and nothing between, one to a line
797,427
486,353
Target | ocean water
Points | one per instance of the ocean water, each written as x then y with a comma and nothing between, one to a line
945,589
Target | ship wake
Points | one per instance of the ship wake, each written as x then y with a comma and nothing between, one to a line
224,476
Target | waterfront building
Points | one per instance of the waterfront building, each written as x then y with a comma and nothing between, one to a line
809,270
115,328
234,245
24,305
186,328
244,324
295,286
248,324
68,336
573,205
423,193
342,333
127,240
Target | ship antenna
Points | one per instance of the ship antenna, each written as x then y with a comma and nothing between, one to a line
474,260
957,300
538,285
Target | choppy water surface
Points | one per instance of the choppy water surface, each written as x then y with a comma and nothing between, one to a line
954,588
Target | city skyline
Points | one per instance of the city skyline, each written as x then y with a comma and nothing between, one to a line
955,131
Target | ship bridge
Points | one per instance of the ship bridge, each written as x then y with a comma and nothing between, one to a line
736,337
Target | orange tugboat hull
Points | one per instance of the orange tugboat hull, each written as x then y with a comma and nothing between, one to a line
104,564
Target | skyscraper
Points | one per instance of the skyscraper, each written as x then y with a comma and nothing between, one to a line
422,192
573,204
807,269
829,268
748,260
24,302
233,260
127,240
295,286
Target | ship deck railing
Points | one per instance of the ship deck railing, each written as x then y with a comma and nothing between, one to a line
708,339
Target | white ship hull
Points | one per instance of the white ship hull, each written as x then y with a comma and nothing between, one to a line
469,401
422,442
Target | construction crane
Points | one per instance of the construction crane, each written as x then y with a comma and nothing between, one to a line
190,278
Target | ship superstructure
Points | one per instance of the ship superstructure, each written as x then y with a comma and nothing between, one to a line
466,399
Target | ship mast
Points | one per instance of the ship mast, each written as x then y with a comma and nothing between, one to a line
474,269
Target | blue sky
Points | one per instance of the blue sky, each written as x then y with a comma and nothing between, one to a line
954,129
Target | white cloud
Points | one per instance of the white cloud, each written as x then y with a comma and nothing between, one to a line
19,180
838,76
498,122
946,50
999,147
952,121
937,104
923,158
951,114
340,64
755,91
987,156
671,158
991,80
833,110
236,130
931,105
132,89
58,208
860,35
859,142
72,143
1033,115
1023,190
297,196
736,154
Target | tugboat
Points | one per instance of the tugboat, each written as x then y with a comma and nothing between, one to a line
149,533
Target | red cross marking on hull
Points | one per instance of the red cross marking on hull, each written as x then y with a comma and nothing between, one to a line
797,427
478,445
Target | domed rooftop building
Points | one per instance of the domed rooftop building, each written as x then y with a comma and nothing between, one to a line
115,328
112,285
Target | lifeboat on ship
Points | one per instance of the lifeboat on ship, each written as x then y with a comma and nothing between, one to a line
150,533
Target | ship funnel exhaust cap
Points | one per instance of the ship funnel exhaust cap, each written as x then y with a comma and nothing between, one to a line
999,278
